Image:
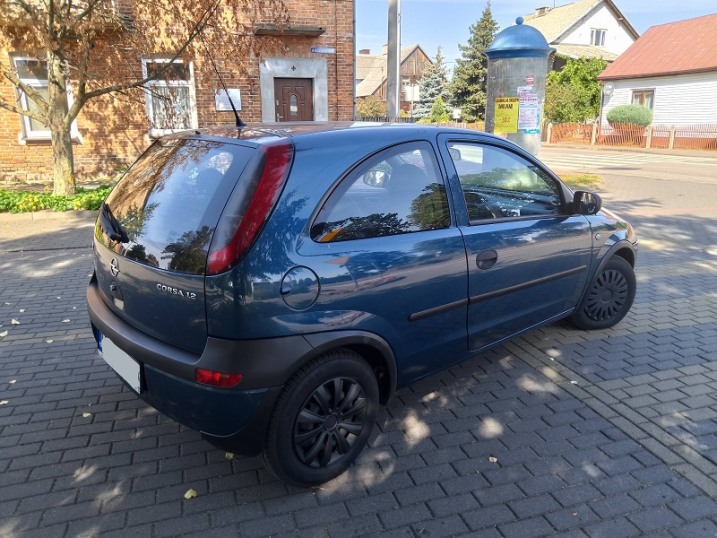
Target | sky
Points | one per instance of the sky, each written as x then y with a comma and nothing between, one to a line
431,23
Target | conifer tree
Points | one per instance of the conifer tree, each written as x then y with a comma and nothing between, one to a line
439,114
434,83
468,86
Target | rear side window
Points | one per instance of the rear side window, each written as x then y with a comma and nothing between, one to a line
400,190
170,200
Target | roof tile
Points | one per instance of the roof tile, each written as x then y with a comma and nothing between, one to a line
688,46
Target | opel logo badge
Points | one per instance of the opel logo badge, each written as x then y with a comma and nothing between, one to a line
114,267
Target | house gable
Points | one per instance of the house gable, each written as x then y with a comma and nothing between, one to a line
571,28
371,70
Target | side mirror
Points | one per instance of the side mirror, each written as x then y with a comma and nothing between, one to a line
455,154
586,203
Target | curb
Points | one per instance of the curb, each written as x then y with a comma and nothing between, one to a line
707,154
47,215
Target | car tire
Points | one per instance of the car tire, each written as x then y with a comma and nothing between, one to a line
609,297
322,419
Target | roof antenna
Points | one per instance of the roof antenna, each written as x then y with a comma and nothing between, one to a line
240,123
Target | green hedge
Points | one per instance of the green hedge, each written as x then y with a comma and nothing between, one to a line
633,114
26,201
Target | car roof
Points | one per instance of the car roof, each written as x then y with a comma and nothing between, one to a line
267,132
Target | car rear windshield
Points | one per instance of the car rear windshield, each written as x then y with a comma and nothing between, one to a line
168,204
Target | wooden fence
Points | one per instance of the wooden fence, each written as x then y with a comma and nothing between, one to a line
699,136
386,119
477,126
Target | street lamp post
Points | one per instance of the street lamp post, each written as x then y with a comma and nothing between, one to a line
393,61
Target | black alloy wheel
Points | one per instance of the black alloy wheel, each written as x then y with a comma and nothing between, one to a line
329,422
322,419
609,297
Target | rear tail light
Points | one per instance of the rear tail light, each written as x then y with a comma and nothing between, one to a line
217,379
236,233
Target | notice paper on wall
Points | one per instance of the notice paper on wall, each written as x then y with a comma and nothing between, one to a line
221,99
529,111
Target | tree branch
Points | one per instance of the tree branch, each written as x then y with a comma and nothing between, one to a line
198,28
31,93
82,77
91,5
26,7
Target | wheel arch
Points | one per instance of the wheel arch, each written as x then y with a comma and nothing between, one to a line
623,248
374,349
624,251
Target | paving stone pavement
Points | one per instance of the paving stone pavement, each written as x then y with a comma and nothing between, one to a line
560,433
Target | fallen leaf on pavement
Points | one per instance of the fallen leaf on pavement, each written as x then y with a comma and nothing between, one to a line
492,459
14,322
190,494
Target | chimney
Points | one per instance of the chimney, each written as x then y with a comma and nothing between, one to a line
539,12
365,51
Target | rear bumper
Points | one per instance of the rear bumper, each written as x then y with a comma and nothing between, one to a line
234,419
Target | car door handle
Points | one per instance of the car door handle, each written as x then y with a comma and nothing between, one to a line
486,259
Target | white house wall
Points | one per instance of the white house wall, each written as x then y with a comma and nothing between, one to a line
679,99
617,38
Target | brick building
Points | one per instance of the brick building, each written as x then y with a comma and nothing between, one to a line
299,69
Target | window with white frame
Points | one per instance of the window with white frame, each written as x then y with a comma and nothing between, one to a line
32,72
597,37
170,95
644,98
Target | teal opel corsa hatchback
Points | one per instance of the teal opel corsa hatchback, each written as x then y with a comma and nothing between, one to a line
272,287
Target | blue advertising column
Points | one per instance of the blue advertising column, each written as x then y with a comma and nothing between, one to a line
517,68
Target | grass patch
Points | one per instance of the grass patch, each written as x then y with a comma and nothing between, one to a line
582,181
20,201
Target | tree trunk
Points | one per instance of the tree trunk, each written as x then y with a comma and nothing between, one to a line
63,165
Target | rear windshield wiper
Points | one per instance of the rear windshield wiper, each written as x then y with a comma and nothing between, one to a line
111,226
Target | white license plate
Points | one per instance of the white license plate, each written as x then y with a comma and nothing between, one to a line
125,366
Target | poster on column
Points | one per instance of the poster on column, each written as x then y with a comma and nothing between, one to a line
506,115
529,112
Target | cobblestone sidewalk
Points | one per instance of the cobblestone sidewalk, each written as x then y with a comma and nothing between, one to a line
560,433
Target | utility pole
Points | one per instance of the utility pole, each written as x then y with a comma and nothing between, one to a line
393,93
